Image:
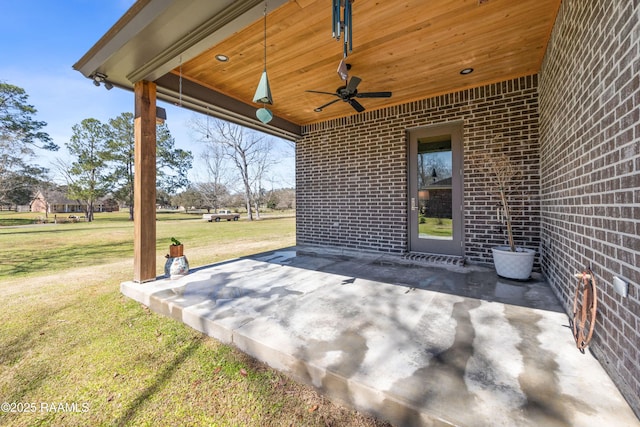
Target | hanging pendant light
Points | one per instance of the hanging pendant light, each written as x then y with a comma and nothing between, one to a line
263,92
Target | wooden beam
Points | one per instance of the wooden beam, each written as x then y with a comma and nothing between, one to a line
144,186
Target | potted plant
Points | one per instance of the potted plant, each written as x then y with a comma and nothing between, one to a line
177,264
176,249
511,262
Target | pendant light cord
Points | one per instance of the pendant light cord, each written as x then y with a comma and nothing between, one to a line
265,36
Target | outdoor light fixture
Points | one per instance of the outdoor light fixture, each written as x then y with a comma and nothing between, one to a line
101,78
222,58
161,115
263,92
466,71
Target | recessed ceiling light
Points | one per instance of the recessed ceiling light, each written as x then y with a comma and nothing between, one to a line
466,71
222,58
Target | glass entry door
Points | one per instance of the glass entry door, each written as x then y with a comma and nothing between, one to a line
435,190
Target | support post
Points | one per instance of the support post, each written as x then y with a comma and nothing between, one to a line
144,186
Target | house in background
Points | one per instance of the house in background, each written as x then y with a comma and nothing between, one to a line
553,84
56,201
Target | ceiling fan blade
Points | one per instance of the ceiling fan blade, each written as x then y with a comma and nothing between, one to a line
353,84
356,105
320,108
373,95
324,93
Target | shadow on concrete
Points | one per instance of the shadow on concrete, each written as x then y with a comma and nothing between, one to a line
409,343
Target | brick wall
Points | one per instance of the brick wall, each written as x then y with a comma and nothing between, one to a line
590,168
352,172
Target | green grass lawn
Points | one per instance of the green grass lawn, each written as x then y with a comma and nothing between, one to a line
75,352
52,247
438,227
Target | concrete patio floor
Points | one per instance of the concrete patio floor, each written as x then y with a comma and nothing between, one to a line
413,344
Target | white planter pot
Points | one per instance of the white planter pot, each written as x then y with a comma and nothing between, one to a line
513,265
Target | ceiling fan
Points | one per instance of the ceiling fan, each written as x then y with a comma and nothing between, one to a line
348,93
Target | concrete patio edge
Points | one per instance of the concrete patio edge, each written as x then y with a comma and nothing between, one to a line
414,345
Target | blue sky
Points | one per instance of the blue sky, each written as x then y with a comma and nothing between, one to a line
40,40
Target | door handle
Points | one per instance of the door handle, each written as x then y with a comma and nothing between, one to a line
413,204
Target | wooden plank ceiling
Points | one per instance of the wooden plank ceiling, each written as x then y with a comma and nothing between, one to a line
413,48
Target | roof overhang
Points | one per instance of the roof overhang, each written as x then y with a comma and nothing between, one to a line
155,37
414,49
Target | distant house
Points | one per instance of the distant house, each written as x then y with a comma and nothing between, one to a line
56,201
436,200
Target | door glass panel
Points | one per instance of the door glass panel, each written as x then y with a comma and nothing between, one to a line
435,219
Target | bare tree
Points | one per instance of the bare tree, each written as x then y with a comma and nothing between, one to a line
212,196
248,150
259,172
46,190
215,189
